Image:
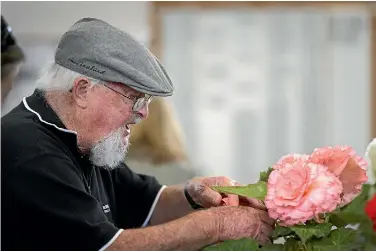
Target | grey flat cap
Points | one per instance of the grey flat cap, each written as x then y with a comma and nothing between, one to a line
96,49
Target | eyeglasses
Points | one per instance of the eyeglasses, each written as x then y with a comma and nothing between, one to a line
138,102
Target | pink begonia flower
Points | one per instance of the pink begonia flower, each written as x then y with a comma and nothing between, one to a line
300,192
290,159
343,162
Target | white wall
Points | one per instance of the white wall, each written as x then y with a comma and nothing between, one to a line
253,85
49,20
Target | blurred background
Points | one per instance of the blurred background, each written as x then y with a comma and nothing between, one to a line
254,80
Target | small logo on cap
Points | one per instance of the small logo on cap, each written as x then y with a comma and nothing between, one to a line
89,67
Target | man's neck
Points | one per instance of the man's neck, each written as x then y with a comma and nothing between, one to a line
58,103
62,106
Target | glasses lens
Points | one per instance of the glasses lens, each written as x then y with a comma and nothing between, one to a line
141,102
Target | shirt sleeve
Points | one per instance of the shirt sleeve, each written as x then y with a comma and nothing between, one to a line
136,196
48,208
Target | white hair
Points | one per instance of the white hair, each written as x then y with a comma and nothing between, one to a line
54,77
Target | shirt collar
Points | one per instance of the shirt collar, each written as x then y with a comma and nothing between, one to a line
37,104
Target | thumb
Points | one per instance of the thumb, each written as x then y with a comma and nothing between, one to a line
210,198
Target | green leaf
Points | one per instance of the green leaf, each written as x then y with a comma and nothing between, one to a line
359,201
293,245
280,231
272,247
369,246
366,229
338,219
305,232
264,176
353,212
341,219
360,218
339,240
372,190
257,191
234,245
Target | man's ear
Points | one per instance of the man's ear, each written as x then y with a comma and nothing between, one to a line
81,87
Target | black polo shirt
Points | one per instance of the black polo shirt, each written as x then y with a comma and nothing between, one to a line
54,198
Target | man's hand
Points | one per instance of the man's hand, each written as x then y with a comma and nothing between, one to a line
199,229
200,191
173,204
242,222
175,226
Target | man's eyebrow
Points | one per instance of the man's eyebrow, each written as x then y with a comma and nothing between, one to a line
136,94
131,92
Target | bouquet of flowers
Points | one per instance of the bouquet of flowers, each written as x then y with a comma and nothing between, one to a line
320,202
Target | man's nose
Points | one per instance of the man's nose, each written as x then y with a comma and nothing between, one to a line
144,111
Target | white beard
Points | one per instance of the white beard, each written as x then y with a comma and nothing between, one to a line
111,151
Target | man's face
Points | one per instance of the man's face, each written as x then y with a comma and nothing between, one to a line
108,117
112,149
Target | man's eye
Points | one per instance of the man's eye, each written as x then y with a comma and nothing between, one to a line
133,97
138,96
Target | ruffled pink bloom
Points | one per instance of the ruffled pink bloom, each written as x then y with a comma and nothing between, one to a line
301,191
343,162
290,159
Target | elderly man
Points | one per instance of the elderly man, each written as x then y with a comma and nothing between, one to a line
64,183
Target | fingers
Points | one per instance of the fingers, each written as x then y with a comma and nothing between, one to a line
224,202
214,198
263,239
250,202
220,181
265,218
266,229
245,201
210,197
263,236
237,183
240,222
233,200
